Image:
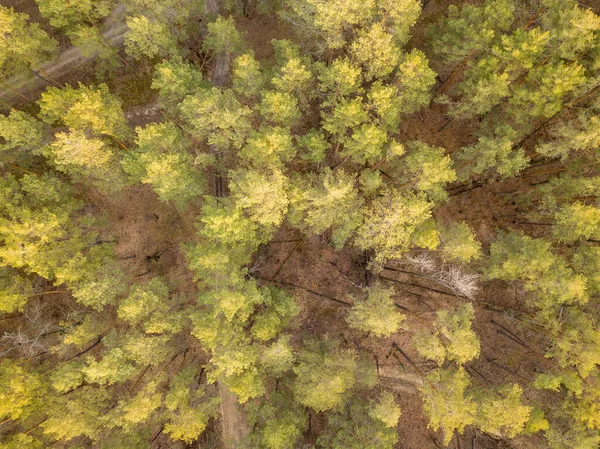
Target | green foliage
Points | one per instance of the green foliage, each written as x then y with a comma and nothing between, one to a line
363,424
278,309
386,410
22,391
340,78
459,243
67,15
162,160
248,79
148,307
329,20
81,413
471,28
223,37
327,201
415,80
545,273
270,146
140,407
189,407
579,135
377,314
280,108
366,144
67,376
20,131
391,225
312,146
544,94
577,221
279,422
573,29
217,117
148,349
576,344
175,79
483,88
429,168
346,114
95,120
15,290
374,49
148,38
453,339
113,367
501,413
278,358
91,109
262,195
24,45
324,373
493,150
446,402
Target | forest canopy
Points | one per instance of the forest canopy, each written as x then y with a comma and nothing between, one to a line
281,224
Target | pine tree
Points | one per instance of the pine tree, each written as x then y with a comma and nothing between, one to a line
175,79
377,314
428,169
391,224
577,221
270,146
328,21
148,38
278,358
20,132
447,403
217,117
502,413
374,49
25,46
364,424
278,420
327,201
23,392
189,406
15,290
81,413
324,374
459,243
223,37
415,80
261,194
453,340
163,161
470,29
248,79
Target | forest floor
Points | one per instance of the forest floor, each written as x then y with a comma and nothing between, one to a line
149,235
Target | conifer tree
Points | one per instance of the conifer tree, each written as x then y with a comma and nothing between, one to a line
364,424
391,224
453,340
327,201
377,313
279,421
25,45
324,374
447,403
